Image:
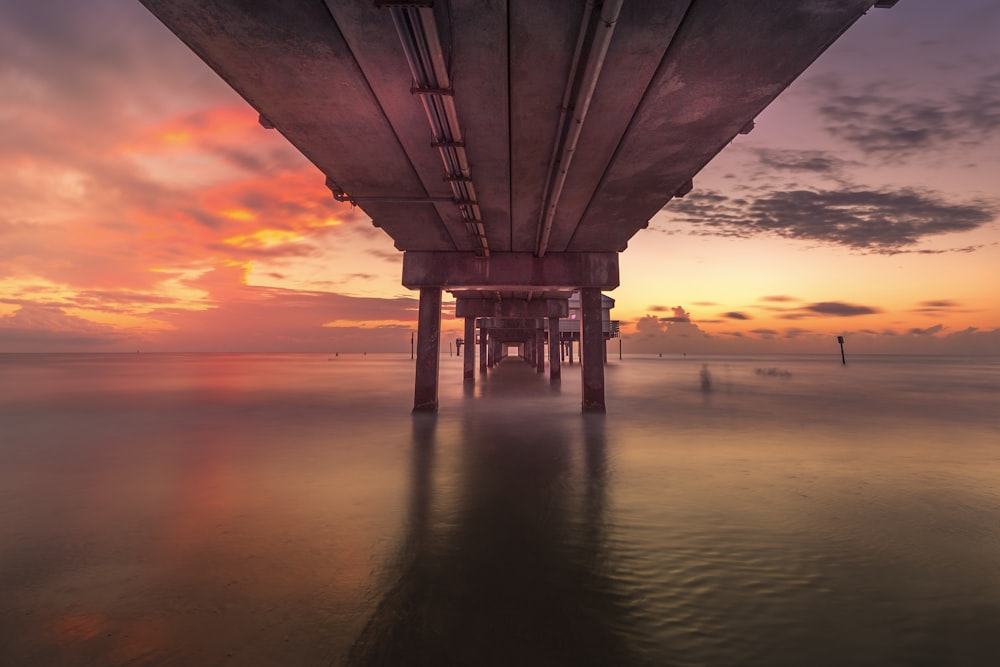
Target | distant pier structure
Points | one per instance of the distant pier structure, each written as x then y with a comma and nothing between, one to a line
510,149
549,330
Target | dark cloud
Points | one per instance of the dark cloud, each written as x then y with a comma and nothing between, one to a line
680,316
796,332
819,162
733,315
839,309
873,221
764,332
779,298
930,251
938,307
393,256
929,331
706,303
884,124
658,309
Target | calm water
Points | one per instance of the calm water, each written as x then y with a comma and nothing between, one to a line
288,510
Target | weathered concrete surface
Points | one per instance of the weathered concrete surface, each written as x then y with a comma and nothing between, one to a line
511,271
680,80
517,308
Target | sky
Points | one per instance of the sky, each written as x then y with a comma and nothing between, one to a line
142,206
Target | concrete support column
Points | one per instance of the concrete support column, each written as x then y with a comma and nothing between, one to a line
490,350
540,347
554,349
469,360
425,387
591,350
604,345
571,351
482,351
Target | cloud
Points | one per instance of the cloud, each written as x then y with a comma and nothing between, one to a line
892,126
737,316
939,307
393,256
274,319
872,221
929,331
39,328
819,162
779,298
796,332
838,309
679,316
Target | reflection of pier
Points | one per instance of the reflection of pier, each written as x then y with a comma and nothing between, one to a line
510,149
504,559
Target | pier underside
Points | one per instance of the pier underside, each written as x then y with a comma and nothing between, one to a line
510,149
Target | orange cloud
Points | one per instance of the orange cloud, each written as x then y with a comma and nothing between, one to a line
195,130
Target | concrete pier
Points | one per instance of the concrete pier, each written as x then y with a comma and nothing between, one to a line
469,358
482,349
539,347
341,94
592,350
554,351
425,386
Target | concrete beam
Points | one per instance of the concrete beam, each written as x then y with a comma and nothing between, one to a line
520,308
511,270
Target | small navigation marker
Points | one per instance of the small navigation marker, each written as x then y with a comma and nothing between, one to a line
840,339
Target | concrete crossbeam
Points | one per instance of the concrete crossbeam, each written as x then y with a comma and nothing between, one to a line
511,270
518,308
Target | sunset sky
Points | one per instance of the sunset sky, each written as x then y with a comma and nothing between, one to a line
143,207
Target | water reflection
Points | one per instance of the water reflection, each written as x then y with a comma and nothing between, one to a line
515,571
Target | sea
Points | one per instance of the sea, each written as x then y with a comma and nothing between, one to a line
288,510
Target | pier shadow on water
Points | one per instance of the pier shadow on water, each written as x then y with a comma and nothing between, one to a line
512,567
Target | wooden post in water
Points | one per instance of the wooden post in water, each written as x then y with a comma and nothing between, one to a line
843,359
